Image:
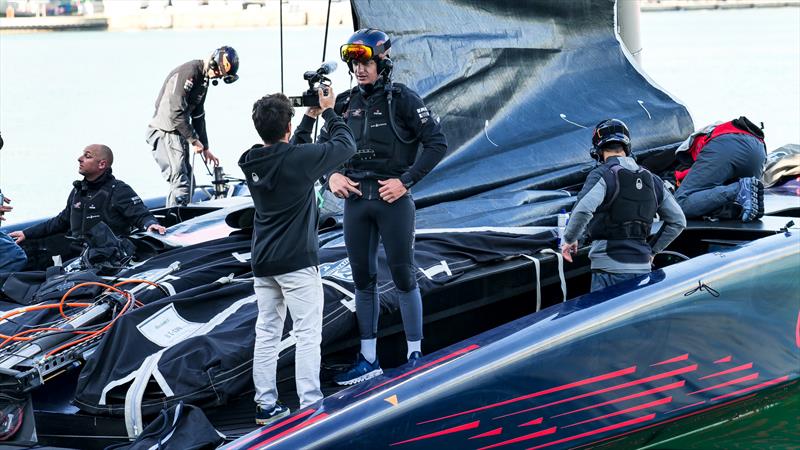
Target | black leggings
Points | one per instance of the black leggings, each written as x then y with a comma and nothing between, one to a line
367,221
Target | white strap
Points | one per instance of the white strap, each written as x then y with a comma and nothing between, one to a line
560,270
349,304
170,288
134,423
242,257
133,398
162,382
537,267
432,271
113,384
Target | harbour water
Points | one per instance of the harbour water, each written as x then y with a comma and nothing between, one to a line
62,91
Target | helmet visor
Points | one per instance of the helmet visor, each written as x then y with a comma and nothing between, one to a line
356,53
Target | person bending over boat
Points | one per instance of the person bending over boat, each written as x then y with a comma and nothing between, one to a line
723,181
179,121
281,175
390,121
99,197
618,203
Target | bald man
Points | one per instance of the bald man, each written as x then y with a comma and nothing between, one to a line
99,197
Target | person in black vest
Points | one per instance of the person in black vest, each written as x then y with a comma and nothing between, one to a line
99,197
618,203
179,120
723,181
281,176
390,122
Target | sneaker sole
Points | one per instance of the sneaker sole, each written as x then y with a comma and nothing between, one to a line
364,377
273,418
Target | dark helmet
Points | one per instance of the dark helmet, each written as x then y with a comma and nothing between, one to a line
225,61
608,131
366,44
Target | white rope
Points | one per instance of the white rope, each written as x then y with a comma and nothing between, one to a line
560,270
537,267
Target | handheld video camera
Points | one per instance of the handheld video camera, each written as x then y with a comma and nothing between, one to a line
316,81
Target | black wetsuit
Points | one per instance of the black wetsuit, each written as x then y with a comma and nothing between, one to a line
368,219
106,200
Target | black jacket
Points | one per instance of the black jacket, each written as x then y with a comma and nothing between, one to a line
281,181
180,103
380,153
105,199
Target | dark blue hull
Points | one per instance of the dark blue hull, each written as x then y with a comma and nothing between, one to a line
691,338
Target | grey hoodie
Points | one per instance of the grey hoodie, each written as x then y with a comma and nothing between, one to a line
281,180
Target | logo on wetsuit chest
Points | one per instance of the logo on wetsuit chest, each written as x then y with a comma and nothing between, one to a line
639,184
354,113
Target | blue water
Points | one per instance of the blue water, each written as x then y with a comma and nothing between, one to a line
62,91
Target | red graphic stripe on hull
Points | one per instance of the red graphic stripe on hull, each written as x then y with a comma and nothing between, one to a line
466,426
274,427
494,432
598,431
290,430
682,370
527,437
731,370
683,357
663,401
423,367
723,360
627,397
563,387
758,386
752,376
532,422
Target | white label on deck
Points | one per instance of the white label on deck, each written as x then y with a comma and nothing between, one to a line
166,327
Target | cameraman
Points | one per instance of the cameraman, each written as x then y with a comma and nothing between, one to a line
281,176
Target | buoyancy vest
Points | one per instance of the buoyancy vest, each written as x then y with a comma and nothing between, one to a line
90,206
630,204
379,153
742,125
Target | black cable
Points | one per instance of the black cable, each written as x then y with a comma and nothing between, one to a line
280,6
324,53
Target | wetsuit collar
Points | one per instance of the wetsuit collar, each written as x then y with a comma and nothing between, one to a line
99,181
368,89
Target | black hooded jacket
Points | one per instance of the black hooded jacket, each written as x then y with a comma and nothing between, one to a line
281,180
105,199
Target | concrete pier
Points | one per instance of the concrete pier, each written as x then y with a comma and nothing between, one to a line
672,5
119,15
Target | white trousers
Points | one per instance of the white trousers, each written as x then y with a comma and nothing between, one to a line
301,292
